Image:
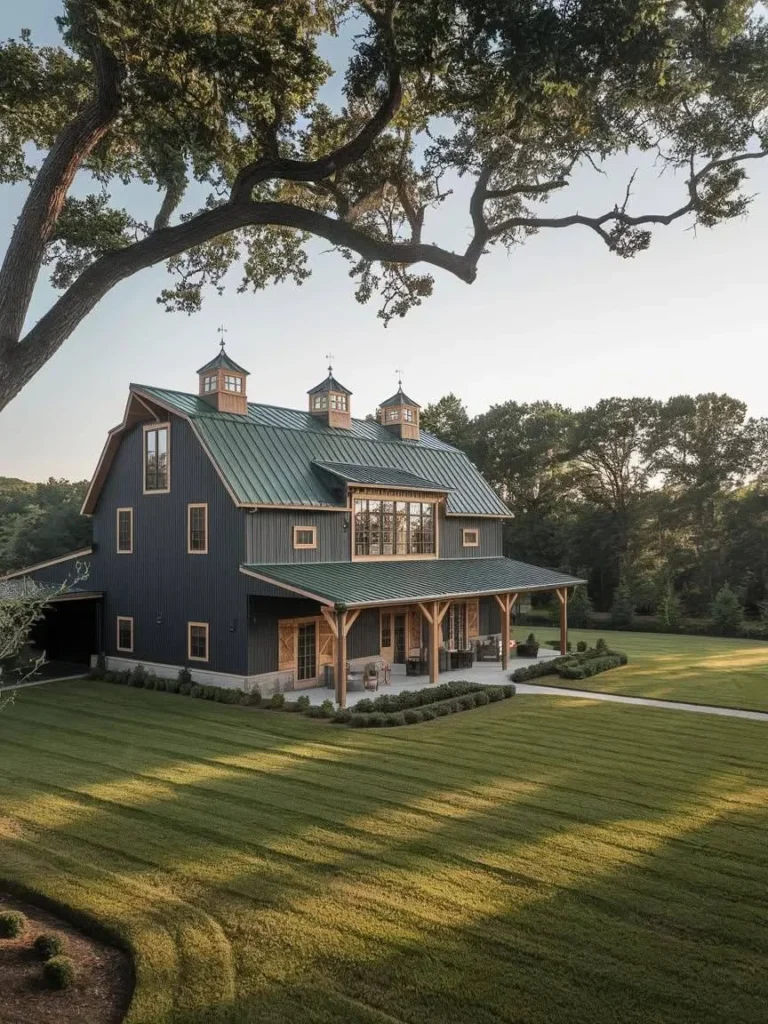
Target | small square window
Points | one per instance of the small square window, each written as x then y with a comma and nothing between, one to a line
304,537
197,641
470,538
210,383
233,384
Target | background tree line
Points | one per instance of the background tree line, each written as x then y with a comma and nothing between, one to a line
659,505
39,521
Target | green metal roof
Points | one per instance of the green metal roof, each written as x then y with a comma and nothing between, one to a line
329,384
266,457
379,476
355,584
223,362
399,398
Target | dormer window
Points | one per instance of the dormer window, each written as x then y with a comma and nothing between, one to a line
393,415
210,383
329,402
222,384
408,416
234,384
400,415
339,402
320,402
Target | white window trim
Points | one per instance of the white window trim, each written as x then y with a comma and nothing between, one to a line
118,549
468,543
124,618
304,547
190,549
147,427
206,627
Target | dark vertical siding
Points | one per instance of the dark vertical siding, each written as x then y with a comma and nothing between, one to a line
363,640
263,616
490,616
450,537
270,537
160,585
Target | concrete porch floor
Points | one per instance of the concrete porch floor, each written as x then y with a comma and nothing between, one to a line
487,673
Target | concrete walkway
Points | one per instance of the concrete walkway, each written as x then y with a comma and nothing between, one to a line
648,702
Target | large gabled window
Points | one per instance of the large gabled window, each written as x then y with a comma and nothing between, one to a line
157,467
394,528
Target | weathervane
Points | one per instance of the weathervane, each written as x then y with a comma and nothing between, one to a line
329,357
222,330
399,379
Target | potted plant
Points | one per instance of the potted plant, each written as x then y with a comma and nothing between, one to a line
530,649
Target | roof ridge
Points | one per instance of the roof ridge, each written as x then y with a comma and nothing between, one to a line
237,417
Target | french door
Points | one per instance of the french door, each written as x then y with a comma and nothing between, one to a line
306,653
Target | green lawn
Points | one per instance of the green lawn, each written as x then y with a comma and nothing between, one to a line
544,859
696,669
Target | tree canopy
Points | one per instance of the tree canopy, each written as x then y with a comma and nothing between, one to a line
513,95
657,504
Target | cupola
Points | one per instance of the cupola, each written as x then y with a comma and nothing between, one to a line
400,415
222,383
329,401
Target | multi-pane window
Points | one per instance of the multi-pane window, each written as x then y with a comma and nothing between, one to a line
394,527
197,641
304,537
156,468
125,531
197,529
306,650
408,416
386,629
233,384
320,402
393,415
210,383
339,402
124,633
470,538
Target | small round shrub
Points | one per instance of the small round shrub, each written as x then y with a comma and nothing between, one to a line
428,715
441,710
411,716
138,676
327,709
172,685
467,702
276,701
481,698
303,702
12,924
376,720
358,721
125,677
509,690
185,676
209,692
494,693
341,717
581,646
185,689
601,645
365,706
291,705
253,697
394,718
48,945
197,691
59,972
150,683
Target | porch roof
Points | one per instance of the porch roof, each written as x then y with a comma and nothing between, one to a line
358,584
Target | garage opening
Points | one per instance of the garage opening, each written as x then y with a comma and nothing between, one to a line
68,633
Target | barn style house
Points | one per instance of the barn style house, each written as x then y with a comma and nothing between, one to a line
281,548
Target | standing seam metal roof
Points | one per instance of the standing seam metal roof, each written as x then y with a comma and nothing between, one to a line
370,583
267,459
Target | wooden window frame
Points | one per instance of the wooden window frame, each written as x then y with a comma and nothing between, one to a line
422,499
118,549
146,428
207,628
211,379
236,381
124,618
468,543
190,549
304,547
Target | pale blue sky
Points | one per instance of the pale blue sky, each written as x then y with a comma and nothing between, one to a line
558,319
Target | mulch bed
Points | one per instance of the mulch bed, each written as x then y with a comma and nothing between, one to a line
100,995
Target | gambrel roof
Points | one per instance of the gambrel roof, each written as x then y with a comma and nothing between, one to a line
270,456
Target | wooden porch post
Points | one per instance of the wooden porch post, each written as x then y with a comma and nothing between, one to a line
434,614
562,594
506,603
341,658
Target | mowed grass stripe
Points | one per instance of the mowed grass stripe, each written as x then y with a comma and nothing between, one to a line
697,670
497,866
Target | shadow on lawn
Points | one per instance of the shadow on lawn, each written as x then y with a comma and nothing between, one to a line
459,872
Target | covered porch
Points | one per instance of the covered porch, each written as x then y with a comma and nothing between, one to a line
423,593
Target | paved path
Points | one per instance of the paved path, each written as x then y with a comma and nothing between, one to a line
648,702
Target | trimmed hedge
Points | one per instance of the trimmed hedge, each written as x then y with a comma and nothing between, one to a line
139,678
48,945
582,665
59,972
12,924
477,697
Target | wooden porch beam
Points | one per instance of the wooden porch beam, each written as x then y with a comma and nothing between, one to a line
444,611
351,619
330,619
563,595
426,612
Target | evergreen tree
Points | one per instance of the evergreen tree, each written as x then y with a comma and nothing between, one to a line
727,611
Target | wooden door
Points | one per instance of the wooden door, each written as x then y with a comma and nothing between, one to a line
286,644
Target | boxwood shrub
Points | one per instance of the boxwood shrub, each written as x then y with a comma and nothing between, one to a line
48,945
581,665
59,972
12,924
